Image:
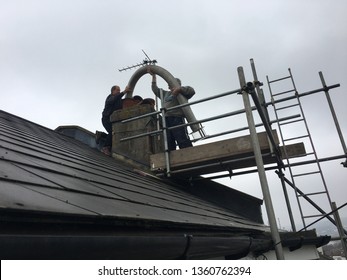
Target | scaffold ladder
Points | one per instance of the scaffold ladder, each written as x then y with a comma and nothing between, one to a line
309,177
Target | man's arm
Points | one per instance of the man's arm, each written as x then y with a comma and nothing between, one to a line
155,88
186,91
124,92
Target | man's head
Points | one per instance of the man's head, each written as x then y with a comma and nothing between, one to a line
115,90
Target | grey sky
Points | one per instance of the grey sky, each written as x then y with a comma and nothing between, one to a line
59,60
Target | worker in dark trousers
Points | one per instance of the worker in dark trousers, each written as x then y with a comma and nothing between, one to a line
175,117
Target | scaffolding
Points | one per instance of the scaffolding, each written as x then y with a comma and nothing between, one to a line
272,157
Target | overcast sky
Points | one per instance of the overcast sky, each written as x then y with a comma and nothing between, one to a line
59,59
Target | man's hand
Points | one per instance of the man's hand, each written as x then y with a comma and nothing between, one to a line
176,91
154,77
127,89
149,71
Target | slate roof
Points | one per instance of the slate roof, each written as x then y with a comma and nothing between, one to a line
59,190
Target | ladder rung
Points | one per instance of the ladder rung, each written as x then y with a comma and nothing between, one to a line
306,173
314,216
286,107
295,156
285,123
284,92
294,138
277,80
308,194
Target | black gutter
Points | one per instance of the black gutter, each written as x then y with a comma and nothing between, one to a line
83,247
37,235
73,237
127,247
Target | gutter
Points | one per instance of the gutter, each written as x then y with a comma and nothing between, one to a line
73,238
54,247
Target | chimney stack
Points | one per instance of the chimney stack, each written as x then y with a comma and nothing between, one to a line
136,151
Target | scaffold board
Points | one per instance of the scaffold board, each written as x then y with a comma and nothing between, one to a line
222,155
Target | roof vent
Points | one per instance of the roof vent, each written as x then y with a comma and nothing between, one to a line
78,133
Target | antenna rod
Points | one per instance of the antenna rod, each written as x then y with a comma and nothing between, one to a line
146,55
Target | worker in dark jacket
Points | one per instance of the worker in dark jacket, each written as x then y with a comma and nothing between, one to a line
113,102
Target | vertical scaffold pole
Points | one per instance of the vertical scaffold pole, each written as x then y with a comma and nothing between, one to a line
260,166
339,227
166,146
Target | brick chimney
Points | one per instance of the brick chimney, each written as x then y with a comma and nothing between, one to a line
135,151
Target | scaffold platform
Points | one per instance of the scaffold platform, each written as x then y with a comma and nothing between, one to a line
224,155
